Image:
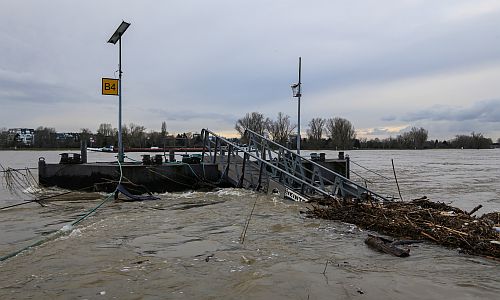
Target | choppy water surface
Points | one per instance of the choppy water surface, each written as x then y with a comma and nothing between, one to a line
186,245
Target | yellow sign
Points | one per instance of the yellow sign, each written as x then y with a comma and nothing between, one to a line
110,86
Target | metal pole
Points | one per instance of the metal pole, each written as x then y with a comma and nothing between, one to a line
298,112
120,141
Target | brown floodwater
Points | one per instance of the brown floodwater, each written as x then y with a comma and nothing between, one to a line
187,245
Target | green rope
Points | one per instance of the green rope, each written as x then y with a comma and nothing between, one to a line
110,196
104,201
66,228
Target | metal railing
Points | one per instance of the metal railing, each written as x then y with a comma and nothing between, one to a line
270,160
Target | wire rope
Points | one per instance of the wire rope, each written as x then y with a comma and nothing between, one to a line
387,178
66,228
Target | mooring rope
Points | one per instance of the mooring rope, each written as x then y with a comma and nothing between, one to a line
19,204
66,228
46,198
366,180
204,179
10,169
199,180
387,178
168,178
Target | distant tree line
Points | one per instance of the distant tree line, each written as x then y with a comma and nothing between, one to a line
339,133
473,141
133,135
331,133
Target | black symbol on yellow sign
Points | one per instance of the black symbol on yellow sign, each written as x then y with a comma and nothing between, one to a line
110,86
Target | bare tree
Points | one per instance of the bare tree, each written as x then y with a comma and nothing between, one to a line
254,121
280,129
106,135
341,131
164,133
418,136
164,129
413,139
473,141
105,129
85,134
126,136
315,131
4,133
137,135
45,137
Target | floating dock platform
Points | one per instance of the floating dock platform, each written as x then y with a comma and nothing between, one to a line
263,166
137,177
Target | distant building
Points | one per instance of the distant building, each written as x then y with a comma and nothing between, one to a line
25,136
67,136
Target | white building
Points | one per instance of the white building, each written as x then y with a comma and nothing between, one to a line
25,136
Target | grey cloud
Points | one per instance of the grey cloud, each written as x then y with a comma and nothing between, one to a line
434,48
383,131
26,88
190,115
378,131
482,111
389,118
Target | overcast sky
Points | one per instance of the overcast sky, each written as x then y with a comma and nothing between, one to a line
384,65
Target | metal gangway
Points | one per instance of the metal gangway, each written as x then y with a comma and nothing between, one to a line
267,166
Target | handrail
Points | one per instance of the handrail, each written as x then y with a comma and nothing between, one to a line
317,165
336,184
269,164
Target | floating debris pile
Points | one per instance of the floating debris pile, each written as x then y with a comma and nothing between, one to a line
420,219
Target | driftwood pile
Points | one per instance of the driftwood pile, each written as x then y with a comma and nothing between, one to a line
420,219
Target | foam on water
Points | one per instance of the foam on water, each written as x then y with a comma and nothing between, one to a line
67,228
32,190
232,192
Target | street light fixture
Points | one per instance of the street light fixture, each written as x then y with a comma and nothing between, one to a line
119,32
117,37
297,93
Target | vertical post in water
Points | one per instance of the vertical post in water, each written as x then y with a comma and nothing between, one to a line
298,110
83,151
120,141
396,178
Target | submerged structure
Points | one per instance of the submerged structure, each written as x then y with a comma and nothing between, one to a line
261,165
265,166
139,178
270,167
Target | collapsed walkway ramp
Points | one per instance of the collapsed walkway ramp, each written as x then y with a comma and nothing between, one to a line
264,165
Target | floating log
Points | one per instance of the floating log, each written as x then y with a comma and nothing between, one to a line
383,245
475,209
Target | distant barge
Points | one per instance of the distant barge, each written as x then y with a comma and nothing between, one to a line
151,149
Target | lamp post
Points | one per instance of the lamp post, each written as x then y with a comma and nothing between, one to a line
117,37
297,93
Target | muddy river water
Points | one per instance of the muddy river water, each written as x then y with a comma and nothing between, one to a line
187,245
